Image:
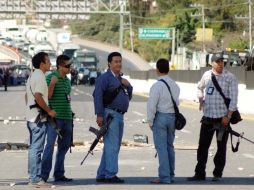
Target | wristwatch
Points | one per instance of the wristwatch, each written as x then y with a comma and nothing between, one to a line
229,117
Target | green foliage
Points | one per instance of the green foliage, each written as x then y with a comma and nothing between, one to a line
238,44
187,27
219,15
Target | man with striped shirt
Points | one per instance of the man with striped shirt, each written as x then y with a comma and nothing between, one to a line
216,116
59,87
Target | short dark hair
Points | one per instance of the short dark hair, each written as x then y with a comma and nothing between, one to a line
38,59
162,65
113,54
60,59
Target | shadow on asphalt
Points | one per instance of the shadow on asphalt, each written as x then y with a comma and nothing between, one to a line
138,181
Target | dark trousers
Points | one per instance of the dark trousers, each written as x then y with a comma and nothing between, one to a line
205,139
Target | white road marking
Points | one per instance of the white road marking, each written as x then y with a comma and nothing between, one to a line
248,155
138,113
185,131
89,94
240,168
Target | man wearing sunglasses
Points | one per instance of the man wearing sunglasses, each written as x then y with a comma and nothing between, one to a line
59,89
216,116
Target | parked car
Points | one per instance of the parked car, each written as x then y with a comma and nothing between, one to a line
83,75
23,72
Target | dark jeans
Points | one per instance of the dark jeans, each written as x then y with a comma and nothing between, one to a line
62,147
205,139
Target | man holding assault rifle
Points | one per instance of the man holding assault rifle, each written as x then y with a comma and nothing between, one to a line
36,102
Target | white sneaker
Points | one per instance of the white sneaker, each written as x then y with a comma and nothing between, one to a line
41,184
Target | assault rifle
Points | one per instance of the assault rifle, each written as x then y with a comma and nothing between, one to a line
99,133
72,127
44,115
239,135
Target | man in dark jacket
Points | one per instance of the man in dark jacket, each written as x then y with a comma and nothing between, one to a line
121,89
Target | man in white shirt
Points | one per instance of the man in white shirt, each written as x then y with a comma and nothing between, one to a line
37,92
161,119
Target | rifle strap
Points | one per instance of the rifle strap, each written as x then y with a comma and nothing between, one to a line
234,149
218,88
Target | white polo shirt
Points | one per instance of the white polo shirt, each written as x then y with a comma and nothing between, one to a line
36,83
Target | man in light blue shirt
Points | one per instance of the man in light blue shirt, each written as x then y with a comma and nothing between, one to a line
161,119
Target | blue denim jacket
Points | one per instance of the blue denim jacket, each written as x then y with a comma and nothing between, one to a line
107,81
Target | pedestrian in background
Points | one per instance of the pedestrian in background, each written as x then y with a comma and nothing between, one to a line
161,119
119,90
37,92
216,116
59,99
6,78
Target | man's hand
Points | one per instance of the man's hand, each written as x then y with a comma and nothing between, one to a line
201,103
225,121
54,80
52,113
99,121
125,82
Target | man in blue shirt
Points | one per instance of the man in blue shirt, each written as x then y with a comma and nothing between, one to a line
112,94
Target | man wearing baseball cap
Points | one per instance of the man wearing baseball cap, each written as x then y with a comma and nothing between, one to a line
216,116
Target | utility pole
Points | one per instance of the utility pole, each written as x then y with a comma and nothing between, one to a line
203,27
202,6
131,33
249,17
122,10
250,26
173,45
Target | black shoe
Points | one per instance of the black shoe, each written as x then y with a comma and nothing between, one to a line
100,180
196,178
216,178
113,180
63,179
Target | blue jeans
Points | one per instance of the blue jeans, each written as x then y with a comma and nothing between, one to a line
112,141
62,148
37,139
164,135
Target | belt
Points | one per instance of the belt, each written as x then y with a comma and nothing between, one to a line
210,120
117,110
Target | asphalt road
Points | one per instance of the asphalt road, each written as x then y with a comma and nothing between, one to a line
137,165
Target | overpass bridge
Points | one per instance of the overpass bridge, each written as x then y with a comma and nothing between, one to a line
67,10
60,9
7,53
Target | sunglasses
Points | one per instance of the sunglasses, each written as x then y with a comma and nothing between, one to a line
67,66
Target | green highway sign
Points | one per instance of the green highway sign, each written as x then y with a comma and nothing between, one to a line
154,33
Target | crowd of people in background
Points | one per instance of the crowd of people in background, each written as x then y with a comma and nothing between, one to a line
11,76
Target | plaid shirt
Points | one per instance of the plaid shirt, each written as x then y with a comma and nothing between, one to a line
214,106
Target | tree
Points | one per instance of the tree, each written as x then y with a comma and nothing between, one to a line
187,27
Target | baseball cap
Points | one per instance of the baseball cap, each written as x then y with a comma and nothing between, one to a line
216,57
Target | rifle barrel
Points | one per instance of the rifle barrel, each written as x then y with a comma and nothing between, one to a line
248,140
85,158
